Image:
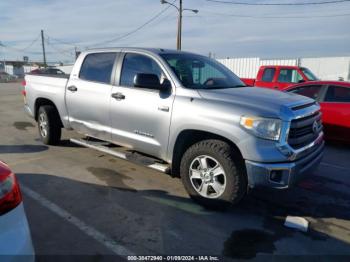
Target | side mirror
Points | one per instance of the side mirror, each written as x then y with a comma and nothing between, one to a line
166,86
301,81
149,81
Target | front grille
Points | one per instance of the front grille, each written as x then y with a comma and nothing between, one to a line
303,131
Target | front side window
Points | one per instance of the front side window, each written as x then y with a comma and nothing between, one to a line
338,94
289,76
309,91
268,74
200,72
138,64
98,67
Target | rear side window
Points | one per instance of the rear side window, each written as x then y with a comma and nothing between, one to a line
268,74
309,91
338,94
98,67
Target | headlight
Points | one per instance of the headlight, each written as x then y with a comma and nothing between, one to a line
267,128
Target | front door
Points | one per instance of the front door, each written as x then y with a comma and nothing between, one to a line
336,112
141,117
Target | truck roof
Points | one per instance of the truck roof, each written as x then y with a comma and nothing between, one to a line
143,49
281,66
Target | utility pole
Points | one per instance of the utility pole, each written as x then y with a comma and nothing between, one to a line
179,27
180,9
43,44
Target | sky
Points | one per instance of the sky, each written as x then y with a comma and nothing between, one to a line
224,30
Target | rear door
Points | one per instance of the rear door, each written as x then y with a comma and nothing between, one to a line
267,78
141,117
88,95
336,112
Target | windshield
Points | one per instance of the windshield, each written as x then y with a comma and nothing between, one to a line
309,74
200,72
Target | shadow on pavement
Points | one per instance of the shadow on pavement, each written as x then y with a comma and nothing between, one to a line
14,149
137,217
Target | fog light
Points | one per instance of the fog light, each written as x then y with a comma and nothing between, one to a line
276,175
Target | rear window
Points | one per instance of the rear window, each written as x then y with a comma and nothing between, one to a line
98,67
268,74
338,94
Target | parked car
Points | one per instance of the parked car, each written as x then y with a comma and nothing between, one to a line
280,77
47,71
6,77
334,98
191,113
15,238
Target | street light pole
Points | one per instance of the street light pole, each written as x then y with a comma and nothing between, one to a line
180,9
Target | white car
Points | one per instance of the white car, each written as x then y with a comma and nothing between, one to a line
15,238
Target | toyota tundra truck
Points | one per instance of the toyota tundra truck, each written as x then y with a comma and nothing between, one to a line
189,113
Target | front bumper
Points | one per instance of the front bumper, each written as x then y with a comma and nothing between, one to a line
283,175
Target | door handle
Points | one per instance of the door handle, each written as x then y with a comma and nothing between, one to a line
72,88
118,96
163,108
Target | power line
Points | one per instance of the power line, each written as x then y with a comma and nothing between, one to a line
54,46
134,30
31,44
278,4
59,51
22,49
214,14
60,41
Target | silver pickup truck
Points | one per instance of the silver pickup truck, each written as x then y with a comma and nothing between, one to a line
187,111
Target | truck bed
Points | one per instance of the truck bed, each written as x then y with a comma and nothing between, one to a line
248,81
51,87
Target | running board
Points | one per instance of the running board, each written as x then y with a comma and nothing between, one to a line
137,159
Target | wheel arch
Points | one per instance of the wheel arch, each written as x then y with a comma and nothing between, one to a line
41,101
189,137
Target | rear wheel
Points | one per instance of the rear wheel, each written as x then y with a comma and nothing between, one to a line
49,125
213,174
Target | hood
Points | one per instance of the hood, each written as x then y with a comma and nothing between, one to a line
262,101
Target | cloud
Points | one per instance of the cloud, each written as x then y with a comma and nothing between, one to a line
85,22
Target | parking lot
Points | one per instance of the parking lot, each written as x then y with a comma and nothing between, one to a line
83,202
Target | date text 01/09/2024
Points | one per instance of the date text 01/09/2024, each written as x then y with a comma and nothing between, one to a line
173,258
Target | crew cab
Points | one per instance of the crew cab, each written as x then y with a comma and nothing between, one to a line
188,112
280,77
334,98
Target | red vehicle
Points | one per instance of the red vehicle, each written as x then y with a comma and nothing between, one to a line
334,98
280,77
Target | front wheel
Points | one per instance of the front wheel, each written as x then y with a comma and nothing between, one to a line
213,174
49,125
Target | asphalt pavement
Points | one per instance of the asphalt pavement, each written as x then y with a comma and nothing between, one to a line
83,202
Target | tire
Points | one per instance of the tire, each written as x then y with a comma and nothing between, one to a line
216,188
49,125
